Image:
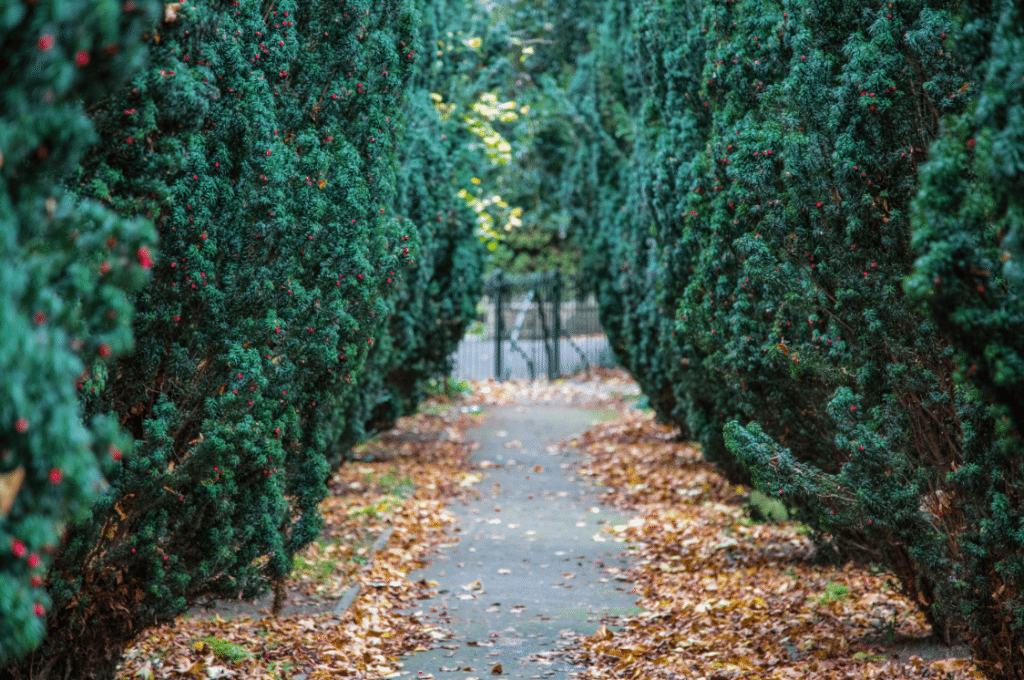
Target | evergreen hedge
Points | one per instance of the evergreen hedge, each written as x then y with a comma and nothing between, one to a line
262,144
805,222
431,305
65,268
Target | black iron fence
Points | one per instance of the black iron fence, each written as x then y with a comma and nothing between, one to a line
531,326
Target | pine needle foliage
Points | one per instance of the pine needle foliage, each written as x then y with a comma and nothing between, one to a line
804,221
431,305
66,267
261,142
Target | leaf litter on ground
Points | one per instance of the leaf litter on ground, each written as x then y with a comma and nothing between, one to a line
726,597
401,479
596,387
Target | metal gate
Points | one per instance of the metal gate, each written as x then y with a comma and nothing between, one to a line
532,325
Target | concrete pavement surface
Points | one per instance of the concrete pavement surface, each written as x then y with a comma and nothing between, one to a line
528,566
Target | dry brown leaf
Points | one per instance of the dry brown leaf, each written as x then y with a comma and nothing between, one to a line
10,483
170,11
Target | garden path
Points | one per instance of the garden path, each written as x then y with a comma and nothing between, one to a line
527,562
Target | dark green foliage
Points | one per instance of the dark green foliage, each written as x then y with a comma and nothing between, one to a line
968,220
65,266
264,151
433,302
804,222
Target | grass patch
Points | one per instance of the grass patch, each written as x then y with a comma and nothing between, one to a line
834,592
762,508
222,649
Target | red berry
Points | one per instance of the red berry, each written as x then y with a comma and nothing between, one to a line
82,58
55,476
18,548
21,425
33,560
40,610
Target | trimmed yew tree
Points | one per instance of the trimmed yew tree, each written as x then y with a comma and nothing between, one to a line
823,199
431,304
261,142
968,221
65,267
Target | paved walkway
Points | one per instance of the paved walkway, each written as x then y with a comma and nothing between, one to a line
524,568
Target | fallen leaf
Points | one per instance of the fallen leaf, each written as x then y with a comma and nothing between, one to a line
170,11
10,483
496,670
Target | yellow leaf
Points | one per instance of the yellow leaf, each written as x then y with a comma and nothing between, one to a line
323,183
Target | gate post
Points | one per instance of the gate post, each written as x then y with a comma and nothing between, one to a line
554,371
499,320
